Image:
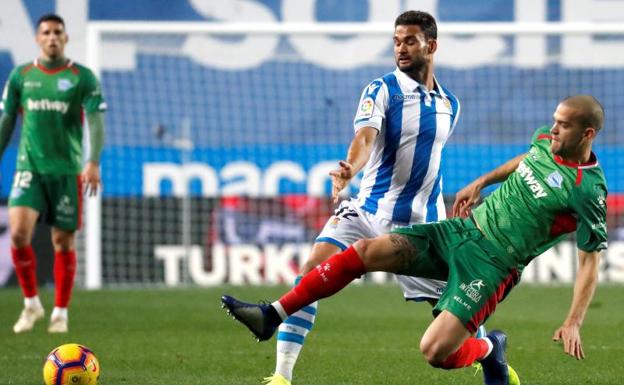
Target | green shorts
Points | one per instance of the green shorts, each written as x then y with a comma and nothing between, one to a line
477,275
59,196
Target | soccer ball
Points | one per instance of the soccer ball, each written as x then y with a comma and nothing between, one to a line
71,364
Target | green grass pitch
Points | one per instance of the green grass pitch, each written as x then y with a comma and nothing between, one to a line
364,335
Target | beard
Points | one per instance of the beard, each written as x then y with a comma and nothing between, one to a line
53,52
417,65
558,149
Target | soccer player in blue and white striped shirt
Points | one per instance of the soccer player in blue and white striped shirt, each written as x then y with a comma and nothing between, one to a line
403,122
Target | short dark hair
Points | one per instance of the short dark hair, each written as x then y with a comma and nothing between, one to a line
591,112
50,17
424,20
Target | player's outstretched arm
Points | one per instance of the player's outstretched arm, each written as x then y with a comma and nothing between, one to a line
584,287
357,156
470,195
91,172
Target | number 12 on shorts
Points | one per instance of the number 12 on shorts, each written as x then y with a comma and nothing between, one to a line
22,179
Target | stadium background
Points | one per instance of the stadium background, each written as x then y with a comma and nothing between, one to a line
237,145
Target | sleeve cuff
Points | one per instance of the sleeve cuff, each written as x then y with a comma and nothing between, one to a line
367,123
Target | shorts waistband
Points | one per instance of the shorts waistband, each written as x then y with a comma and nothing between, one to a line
474,222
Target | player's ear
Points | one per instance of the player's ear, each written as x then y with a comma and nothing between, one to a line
590,133
433,46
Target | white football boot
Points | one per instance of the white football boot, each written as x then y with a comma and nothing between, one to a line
27,319
58,325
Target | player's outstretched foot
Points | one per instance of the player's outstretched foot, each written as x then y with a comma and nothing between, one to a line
275,379
261,319
27,319
495,369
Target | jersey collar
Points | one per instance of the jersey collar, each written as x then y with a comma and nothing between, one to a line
55,70
593,162
413,85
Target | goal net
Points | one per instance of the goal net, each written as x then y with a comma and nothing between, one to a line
220,137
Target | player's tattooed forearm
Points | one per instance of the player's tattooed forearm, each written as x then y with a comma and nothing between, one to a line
404,250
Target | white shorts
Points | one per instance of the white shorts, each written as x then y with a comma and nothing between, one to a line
350,224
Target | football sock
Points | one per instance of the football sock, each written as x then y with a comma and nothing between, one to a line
481,334
59,312
279,310
32,302
64,272
490,348
473,349
291,336
324,280
25,265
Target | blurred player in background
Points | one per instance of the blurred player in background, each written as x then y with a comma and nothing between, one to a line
52,93
402,123
556,188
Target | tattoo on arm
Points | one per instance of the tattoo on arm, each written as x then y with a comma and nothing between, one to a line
404,251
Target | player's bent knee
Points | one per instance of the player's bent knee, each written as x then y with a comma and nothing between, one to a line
433,352
362,248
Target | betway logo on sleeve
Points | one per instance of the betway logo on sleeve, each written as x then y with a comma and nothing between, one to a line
527,175
47,105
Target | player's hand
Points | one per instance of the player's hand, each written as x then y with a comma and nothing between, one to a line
465,199
91,178
340,178
570,335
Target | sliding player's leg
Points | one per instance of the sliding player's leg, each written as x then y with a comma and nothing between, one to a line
476,284
448,344
390,253
394,253
429,290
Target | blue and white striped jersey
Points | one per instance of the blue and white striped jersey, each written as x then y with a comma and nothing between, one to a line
402,180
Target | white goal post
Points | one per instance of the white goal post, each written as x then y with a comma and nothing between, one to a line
98,32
